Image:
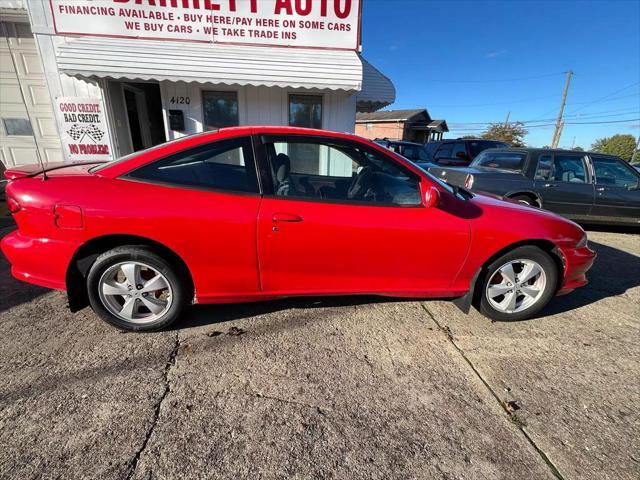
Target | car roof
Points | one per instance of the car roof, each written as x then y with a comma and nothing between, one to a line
397,142
547,150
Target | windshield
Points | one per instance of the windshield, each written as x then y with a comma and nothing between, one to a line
477,146
417,153
502,160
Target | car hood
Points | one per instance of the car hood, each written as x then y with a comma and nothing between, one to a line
515,218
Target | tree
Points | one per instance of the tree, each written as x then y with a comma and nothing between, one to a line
578,149
619,145
511,133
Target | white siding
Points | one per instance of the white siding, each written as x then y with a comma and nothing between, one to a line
18,47
257,106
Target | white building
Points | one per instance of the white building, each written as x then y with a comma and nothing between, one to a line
134,92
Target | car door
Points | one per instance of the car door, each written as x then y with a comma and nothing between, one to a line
372,235
563,184
202,203
617,190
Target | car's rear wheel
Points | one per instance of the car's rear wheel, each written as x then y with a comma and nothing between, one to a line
518,284
135,289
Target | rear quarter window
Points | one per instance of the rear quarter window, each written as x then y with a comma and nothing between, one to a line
222,165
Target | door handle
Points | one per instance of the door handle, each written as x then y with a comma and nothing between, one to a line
286,217
550,185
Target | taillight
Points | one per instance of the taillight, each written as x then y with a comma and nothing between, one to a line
13,204
468,182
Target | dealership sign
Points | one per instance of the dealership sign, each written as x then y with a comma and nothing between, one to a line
333,24
83,129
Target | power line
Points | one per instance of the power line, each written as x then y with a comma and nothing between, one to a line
602,123
626,120
607,96
590,102
607,100
577,116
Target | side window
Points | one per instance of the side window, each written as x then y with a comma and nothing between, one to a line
410,152
338,171
563,168
612,172
503,160
223,165
545,168
459,148
444,151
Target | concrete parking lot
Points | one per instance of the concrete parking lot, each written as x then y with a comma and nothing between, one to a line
329,388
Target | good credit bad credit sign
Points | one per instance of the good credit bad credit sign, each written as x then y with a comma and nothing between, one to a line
333,24
83,129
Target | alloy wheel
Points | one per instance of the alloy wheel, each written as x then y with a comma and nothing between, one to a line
135,292
516,286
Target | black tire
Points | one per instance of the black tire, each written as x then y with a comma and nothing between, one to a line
528,252
177,282
525,199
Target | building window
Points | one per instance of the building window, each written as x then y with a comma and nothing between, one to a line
305,111
18,126
220,109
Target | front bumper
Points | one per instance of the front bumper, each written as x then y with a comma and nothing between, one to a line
577,262
41,261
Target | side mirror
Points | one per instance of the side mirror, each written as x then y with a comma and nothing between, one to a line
431,197
461,155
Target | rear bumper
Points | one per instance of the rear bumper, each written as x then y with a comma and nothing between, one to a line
40,261
577,262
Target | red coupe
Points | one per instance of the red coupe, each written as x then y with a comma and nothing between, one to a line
255,213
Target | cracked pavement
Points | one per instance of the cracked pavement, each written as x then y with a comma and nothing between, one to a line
354,387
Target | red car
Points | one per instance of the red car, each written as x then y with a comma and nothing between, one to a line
255,213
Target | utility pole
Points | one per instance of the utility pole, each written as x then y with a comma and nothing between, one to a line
633,157
506,121
559,122
573,143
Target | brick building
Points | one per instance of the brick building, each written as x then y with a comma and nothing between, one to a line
412,125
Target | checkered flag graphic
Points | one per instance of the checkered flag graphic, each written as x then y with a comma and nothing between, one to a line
94,133
76,132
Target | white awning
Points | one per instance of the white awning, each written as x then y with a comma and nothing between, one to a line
210,63
377,90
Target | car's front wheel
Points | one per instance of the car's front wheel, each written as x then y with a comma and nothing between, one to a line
518,284
135,289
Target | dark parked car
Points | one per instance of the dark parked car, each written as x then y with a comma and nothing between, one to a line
415,152
586,187
460,152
